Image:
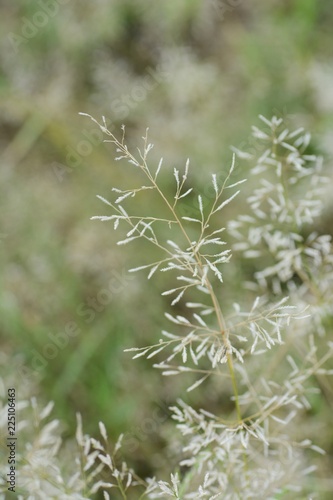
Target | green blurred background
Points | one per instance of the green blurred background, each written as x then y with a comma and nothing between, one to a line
197,73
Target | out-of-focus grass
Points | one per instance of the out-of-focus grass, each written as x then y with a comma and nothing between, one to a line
217,76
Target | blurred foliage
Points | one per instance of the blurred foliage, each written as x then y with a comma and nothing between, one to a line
197,74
